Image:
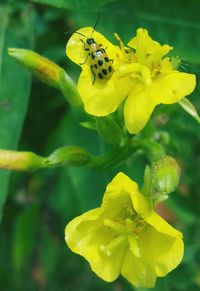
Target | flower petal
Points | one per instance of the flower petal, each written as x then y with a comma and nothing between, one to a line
101,97
87,236
158,254
137,271
138,108
122,190
170,88
147,50
75,46
163,252
161,225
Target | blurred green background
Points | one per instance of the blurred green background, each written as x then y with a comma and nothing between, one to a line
36,207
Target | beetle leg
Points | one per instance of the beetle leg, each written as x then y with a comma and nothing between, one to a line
84,61
93,75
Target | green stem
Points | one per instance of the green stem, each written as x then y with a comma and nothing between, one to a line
77,156
153,150
69,89
110,159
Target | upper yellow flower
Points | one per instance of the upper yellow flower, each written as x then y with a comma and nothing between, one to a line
141,74
125,236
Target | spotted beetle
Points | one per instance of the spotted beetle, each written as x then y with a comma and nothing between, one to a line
100,64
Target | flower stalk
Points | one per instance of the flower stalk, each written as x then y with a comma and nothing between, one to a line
30,162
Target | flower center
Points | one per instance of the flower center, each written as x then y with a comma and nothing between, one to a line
126,228
136,70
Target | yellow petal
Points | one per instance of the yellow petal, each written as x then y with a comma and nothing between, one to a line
154,255
75,46
72,236
163,252
147,50
138,108
170,88
166,88
121,191
137,271
87,236
161,225
102,97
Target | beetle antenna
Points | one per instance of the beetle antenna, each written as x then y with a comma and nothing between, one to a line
80,34
67,32
96,23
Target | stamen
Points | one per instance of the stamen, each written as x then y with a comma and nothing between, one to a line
113,245
134,246
128,228
116,226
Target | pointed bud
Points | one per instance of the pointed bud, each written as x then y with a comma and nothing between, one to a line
41,67
48,72
20,161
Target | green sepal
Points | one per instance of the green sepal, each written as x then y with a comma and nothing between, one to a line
189,108
108,128
67,156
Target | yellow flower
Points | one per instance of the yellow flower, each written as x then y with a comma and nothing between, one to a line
142,76
125,236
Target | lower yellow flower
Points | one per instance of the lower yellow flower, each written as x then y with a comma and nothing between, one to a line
141,74
125,236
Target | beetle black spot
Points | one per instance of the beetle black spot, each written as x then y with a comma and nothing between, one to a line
106,59
104,71
110,69
93,56
95,65
100,62
100,76
91,66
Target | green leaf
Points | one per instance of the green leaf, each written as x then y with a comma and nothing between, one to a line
14,82
76,4
4,11
24,235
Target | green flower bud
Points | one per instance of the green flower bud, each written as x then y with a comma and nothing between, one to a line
48,72
67,156
44,69
20,161
165,175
